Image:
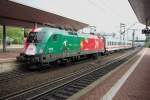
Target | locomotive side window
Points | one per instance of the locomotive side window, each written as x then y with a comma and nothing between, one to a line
75,33
54,37
72,33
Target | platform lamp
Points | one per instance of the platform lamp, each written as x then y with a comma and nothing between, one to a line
146,31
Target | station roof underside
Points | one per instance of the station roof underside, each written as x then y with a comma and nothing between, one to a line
141,9
15,14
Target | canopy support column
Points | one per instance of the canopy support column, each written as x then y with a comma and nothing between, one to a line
4,38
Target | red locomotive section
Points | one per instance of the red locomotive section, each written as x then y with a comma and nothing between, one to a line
93,43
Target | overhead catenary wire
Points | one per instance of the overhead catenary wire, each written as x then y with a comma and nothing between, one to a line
103,7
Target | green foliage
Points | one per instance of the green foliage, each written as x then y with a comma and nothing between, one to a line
14,33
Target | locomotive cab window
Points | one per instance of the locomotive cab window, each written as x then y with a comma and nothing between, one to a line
35,37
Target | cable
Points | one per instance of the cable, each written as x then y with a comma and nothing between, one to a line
112,10
101,7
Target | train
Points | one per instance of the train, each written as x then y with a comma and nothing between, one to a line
45,45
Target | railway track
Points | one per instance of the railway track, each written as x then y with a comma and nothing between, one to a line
66,86
19,73
16,73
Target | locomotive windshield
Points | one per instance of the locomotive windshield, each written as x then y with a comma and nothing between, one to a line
35,37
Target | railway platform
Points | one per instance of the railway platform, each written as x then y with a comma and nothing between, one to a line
8,58
10,54
130,81
137,87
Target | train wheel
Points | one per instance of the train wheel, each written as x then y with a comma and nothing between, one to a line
58,62
95,56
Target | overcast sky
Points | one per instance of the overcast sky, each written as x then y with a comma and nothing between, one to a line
106,15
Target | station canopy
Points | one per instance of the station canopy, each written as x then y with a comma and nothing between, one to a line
15,14
141,9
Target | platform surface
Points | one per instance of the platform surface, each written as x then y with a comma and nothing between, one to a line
137,86
130,81
11,53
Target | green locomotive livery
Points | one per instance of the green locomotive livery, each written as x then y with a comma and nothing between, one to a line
44,45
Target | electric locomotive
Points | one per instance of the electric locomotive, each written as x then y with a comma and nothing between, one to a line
44,45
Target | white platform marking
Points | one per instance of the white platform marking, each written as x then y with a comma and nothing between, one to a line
113,91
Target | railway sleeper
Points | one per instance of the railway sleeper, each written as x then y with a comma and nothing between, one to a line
72,90
84,82
99,74
91,64
63,92
77,87
95,76
88,79
80,84
48,97
59,96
